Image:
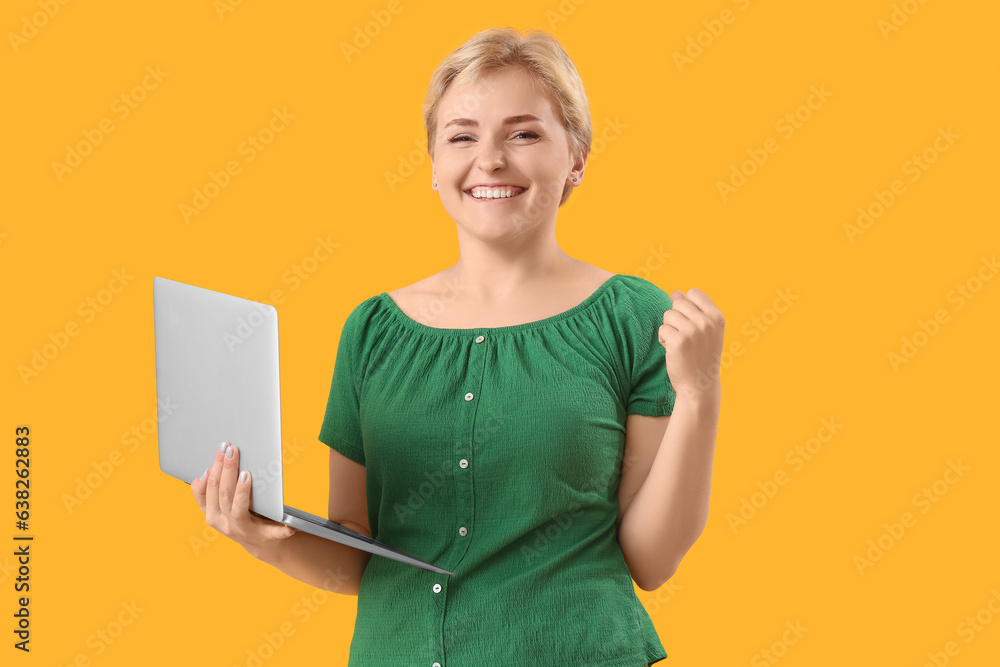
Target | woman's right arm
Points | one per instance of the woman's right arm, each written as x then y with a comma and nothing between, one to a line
319,562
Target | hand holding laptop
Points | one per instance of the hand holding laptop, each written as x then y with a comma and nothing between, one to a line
217,358
225,500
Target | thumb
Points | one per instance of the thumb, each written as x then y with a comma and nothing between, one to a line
283,531
274,530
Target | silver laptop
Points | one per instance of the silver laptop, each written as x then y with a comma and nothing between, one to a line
217,362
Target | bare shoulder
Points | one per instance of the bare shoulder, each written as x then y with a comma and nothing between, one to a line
410,294
422,301
585,279
598,274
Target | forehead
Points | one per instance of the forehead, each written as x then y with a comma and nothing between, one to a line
495,95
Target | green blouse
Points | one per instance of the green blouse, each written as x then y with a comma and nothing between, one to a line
496,453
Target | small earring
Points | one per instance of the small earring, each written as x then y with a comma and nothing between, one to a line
574,179
435,185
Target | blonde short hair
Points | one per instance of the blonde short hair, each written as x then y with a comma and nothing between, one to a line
539,55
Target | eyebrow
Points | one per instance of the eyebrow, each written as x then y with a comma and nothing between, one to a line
509,120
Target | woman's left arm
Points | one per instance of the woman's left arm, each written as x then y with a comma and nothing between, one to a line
668,513
670,510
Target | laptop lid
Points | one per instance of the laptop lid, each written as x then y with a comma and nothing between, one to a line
217,361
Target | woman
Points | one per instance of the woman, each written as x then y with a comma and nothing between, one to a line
499,417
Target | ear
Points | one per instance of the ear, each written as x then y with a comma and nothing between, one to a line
578,163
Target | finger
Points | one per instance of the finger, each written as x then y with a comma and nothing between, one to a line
678,321
212,484
273,530
227,485
686,306
198,488
241,508
702,300
665,333
241,497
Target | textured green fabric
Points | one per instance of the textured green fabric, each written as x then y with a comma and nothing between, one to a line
499,458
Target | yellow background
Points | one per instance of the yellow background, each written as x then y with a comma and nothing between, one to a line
651,189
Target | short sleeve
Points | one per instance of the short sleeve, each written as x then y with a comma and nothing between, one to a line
341,427
651,393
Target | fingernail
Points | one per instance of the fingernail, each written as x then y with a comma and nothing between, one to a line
222,447
229,452
204,474
243,476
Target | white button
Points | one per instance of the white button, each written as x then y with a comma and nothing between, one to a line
462,531
468,396
480,339
463,463
436,664
437,588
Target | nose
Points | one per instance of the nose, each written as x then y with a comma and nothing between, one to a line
491,158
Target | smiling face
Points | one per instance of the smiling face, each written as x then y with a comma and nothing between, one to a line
503,133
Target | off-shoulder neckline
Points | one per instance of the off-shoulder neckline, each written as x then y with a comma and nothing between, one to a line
410,323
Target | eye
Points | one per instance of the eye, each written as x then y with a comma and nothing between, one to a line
462,138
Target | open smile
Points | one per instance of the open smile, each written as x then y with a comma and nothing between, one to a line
496,194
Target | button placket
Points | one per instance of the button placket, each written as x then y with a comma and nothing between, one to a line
477,364
464,447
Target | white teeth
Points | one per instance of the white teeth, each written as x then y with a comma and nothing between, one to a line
495,193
